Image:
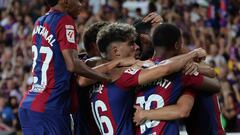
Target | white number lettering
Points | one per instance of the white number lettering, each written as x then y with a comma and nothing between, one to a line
45,64
101,120
146,105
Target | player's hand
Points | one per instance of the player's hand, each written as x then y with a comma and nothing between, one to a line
139,116
191,69
200,54
154,18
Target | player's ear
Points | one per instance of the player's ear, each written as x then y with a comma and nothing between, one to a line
115,50
176,46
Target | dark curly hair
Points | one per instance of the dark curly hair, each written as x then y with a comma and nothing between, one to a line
113,33
90,34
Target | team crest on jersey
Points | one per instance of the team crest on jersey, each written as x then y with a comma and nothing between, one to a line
131,71
97,88
70,34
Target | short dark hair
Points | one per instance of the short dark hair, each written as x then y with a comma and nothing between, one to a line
90,34
113,33
166,35
52,3
141,28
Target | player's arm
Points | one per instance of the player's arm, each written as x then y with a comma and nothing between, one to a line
209,85
75,65
201,67
66,33
206,70
180,110
169,66
193,68
105,68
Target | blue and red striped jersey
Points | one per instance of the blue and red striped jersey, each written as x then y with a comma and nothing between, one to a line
205,116
53,32
163,92
112,104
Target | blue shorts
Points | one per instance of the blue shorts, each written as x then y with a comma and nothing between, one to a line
47,123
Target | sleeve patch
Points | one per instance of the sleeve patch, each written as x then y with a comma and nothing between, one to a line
70,34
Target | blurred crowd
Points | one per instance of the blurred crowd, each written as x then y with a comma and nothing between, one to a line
211,24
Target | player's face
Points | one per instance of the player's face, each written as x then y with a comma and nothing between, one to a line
127,49
147,48
74,7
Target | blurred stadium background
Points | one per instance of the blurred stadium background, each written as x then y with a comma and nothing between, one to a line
211,24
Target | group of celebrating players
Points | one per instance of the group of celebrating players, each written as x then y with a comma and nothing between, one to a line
142,79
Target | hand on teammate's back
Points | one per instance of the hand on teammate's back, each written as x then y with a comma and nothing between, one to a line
139,117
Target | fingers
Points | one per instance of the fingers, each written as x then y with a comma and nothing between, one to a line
201,53
136,118
157,19
153,18
137,107
191,69
148,17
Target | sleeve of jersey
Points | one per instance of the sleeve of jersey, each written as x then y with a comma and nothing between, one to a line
128,79
192,81
66,33
189,92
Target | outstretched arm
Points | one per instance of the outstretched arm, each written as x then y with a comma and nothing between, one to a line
169,66
180,110
75,65
104,68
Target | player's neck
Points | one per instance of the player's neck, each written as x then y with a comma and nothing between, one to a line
58,8
162,53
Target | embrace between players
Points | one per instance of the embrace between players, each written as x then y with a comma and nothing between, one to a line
152,83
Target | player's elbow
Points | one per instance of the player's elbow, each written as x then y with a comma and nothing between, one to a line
70,67
183,113
183,110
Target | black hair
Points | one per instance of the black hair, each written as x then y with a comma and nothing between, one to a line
90,34
166,35
113,33
52,3
141,28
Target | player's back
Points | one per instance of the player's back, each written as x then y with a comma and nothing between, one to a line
205,117
112,104
52,33
163,92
